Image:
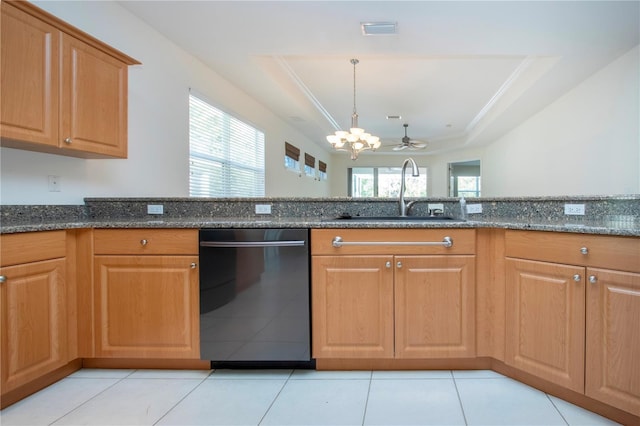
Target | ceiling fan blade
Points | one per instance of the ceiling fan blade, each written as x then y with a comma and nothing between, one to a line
419,145
399,147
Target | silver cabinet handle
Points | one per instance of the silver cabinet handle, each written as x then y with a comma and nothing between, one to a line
67,141
193,265
593,279
577,278
584,250
387,265
339,242
399,264
3,278
144,242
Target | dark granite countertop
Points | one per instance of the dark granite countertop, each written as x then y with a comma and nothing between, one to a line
623,227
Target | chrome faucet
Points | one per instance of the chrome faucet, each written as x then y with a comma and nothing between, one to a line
404,206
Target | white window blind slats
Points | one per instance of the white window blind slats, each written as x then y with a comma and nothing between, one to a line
226,155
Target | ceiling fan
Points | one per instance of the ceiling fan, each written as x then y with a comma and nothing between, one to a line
408,143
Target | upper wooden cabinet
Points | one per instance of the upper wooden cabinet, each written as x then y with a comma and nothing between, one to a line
63,92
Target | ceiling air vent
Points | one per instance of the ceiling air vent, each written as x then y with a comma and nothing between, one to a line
379,28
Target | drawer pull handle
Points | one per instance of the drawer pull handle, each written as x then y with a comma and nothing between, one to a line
144,242
3,278
193,265
387,265
584,250
67,141
593,279
577,278
339,242
399,264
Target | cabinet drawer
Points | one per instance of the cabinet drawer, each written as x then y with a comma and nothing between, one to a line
621,253
145,241
32,247
464,241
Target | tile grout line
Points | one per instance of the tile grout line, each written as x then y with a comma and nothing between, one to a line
276,397
183,398
366,402
557,409
455,384
93,397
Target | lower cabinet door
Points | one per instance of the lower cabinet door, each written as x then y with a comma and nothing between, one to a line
435,306
34,321
352,308
613,338
545,321
147,307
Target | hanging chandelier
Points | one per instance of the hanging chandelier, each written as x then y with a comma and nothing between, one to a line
356,139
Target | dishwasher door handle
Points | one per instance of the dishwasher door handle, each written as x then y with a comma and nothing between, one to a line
293,243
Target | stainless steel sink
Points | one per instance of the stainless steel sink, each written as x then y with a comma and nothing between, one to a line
396,218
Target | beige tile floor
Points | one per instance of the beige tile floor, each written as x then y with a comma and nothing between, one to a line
292,397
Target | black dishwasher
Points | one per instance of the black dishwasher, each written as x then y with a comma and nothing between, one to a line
254,298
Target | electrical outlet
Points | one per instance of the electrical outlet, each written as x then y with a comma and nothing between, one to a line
263,208
474,208
55,183
435,206
574,209
155,209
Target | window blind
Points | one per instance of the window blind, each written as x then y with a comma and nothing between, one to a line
309,160
226,155
291,151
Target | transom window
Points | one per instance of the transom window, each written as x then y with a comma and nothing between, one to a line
226,155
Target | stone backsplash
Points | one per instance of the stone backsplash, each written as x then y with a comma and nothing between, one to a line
619,208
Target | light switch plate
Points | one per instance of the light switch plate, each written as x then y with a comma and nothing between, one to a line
54,183
435,206
263,208
155,209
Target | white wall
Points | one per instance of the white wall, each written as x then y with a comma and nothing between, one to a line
158,124
585,143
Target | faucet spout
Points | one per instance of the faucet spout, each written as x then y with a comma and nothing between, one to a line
402,204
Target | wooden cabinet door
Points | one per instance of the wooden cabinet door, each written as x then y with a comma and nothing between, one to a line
93,116
147,307
34,321
613,338
545,320
352,305
29,78
435,306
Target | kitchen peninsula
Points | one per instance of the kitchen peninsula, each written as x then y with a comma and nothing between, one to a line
519,261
